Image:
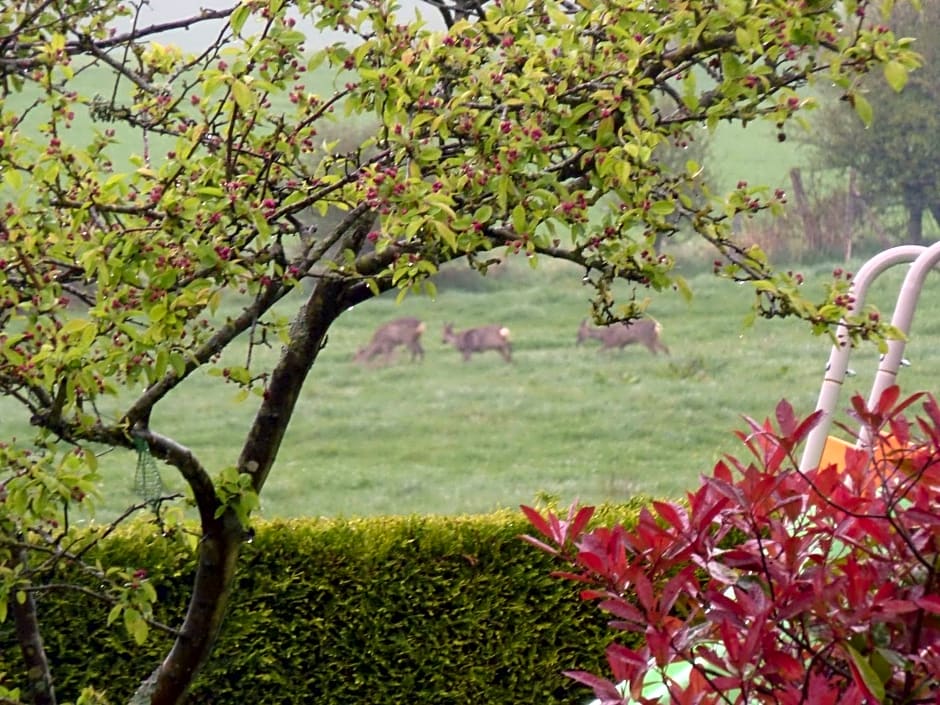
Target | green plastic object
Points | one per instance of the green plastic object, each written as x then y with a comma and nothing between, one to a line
654,686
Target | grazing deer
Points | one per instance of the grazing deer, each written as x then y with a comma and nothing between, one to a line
495,337
402,331
645,330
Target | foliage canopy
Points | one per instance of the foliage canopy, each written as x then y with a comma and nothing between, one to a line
893,152
158,204
773,584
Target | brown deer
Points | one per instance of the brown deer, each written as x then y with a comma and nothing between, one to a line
645,330
495,337
402,331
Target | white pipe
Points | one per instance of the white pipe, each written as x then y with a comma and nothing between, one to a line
903,316
839,355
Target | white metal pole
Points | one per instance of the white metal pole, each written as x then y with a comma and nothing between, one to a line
903,316
839,355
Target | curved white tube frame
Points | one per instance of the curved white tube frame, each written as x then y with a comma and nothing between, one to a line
923,260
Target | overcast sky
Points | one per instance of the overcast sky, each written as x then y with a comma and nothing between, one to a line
158,11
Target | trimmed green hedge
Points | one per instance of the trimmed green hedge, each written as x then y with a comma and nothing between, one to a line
387,610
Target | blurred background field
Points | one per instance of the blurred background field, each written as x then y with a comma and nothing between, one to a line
448,437
443,436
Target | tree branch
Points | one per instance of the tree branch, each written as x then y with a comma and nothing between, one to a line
26,625
189,467
140,409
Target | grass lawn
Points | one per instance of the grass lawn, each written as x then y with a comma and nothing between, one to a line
444,436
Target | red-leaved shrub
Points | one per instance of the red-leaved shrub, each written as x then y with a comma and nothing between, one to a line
777,586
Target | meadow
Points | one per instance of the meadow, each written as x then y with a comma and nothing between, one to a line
444,436
448,437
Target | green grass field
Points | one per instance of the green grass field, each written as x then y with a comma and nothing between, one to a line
445,436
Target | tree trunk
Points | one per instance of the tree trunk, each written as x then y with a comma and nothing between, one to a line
854,207
805,211
915,222
215,573
26,624
935,211
221,540
222,536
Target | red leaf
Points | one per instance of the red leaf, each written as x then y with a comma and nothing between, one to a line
644,591
900,408
898,606
539,545
580,521
659,642
605,690
670,513
786,419
587,595
684,581
931,603
729,637
565,575
822,691
622,608
728,490
786,665
627,664
722,471
886,401
807,425
594,562
924,518
862,413
900,430
535,518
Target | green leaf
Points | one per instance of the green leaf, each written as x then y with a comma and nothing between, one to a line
743,37
483,214
75,325
157,312
896,75
243,95
863,109
163,359
663,208
136,625
178,363
605,130
445,233
869,677
682,286
519,219
239,16
13,178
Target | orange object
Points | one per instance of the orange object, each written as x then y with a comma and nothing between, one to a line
888,450
833,452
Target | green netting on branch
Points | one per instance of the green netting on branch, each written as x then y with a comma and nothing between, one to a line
148,484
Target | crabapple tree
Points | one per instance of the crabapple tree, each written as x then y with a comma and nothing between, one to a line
144,185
